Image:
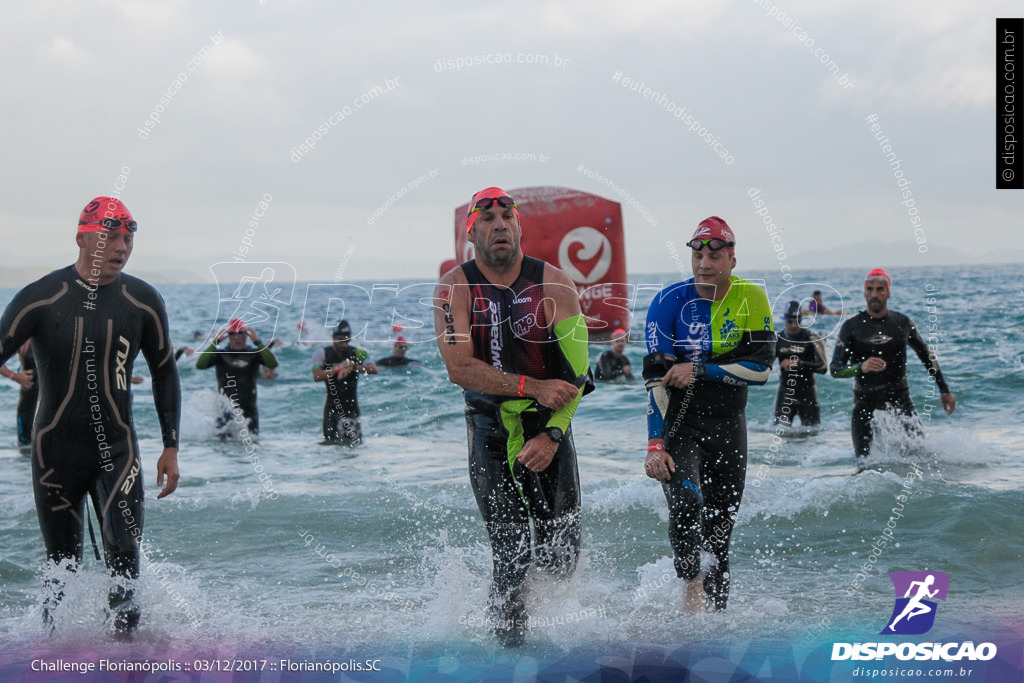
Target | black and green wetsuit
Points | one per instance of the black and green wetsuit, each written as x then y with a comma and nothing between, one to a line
237,372
510,332
862,337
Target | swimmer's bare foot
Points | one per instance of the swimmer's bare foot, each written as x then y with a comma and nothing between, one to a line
693,595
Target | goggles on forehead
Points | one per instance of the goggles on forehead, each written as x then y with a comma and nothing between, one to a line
714,244
115,224
485,203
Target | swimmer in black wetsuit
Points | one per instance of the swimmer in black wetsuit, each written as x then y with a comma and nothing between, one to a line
872,347
29,394
398,357
511,334
613,363
87,323
801,354
238,366
339,366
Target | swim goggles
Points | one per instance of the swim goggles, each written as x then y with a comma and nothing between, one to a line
505,202
116,224
714,244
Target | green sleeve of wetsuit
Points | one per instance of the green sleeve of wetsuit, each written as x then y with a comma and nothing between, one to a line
572,340
842,366
205,358
267,356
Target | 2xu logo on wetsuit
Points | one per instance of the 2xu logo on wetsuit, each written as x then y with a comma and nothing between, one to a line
914,614
122,357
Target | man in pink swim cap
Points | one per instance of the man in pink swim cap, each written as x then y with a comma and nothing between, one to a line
872,348
88,322
512,335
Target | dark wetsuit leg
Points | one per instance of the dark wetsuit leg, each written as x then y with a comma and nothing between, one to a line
341,426
330,422
809,411
864,407
554,496
117,498
860,424
802,404
704,493
250,417
783,407
61,484
251,413
552,499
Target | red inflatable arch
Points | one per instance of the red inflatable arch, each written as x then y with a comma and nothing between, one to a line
579,233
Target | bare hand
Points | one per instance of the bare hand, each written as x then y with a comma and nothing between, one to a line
873,364
345,369
370,368
167,465
679,375
253,335
555,393
538,453
659,465
948,402
785,364
25,378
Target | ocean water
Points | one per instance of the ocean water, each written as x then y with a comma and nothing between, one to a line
378,552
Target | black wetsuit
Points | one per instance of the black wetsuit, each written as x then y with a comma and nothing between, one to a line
862,337
395,361
798,396
237,372
610,366
27,399
520,343
85,343
341,408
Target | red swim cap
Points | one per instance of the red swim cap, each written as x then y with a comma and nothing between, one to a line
104,214
879,274
713,227
492,193
236,325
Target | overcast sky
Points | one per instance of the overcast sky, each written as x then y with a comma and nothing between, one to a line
81,78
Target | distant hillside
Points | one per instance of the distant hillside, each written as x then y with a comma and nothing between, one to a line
864,254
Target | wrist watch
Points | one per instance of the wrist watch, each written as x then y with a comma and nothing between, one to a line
555,434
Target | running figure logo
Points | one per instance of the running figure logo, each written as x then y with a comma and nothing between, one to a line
914,612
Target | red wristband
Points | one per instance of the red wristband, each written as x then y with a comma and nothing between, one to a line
655,447
522,382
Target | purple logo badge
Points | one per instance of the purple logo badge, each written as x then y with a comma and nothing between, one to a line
916,592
